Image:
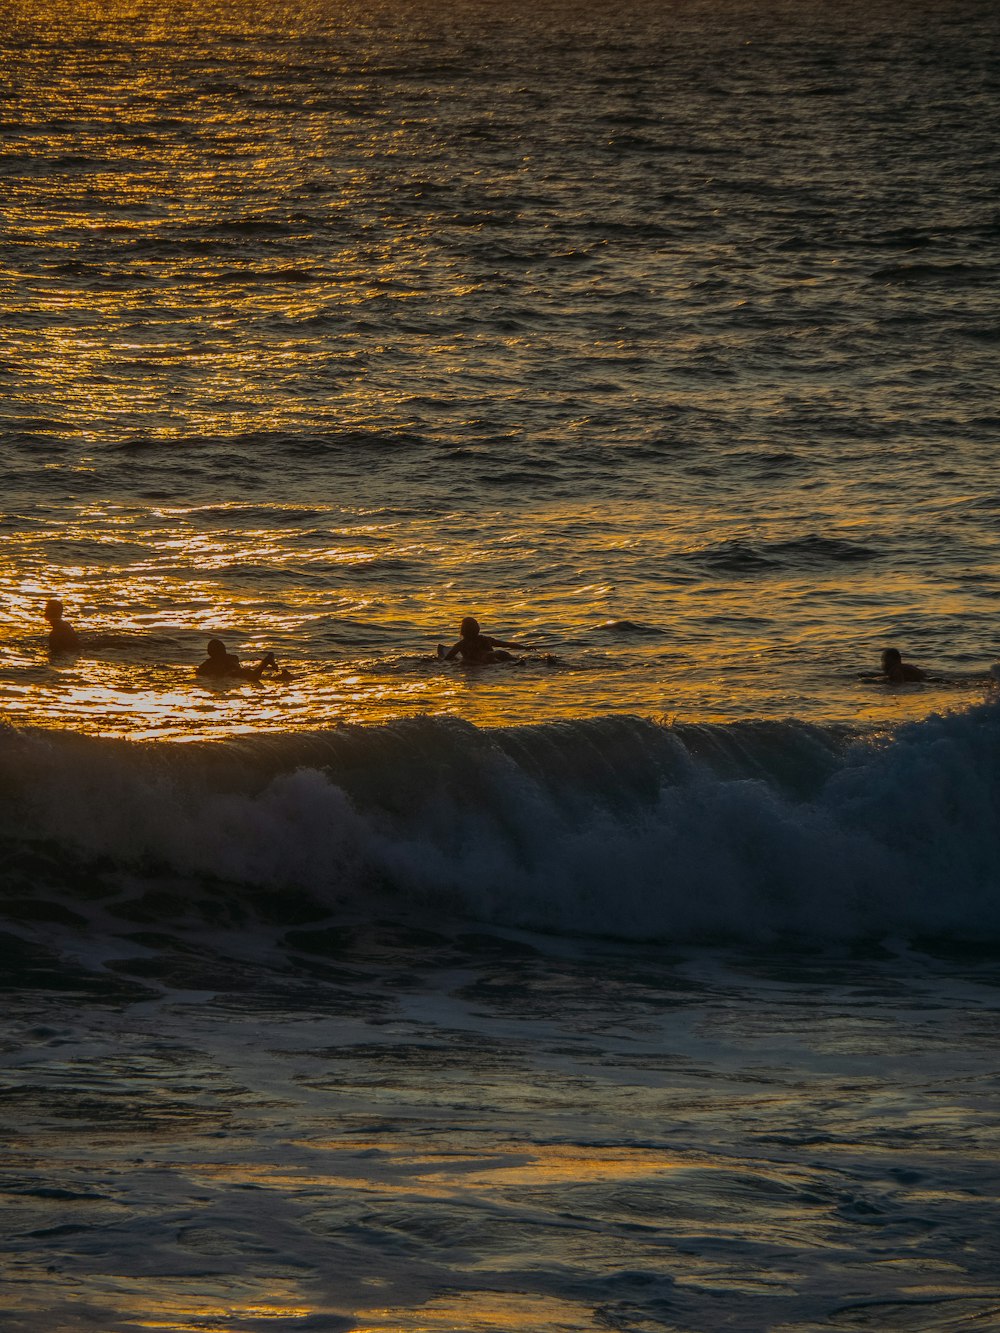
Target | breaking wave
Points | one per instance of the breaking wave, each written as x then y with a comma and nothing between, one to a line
618,826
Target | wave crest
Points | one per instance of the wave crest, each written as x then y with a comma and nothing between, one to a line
616,826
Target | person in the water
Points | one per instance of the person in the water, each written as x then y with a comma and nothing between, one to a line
63,638
479,649
898,672
222,665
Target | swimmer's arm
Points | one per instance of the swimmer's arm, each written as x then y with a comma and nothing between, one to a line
453,652
255,673
501,643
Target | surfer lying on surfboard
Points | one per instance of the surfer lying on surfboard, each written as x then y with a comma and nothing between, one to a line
897,671
220,665
476,648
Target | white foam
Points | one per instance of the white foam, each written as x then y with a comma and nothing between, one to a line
610,827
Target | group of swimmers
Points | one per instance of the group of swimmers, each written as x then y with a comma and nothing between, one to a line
218,665
473,647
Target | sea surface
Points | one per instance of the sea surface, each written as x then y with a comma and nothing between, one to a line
650,981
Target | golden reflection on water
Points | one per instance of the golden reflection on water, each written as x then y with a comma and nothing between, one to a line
191,1311
483,1312
396,1175
182,1306
203,264
147,587
136,675
444,1174
269,345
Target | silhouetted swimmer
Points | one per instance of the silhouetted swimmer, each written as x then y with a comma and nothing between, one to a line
221,665
898,672
476,648
63,638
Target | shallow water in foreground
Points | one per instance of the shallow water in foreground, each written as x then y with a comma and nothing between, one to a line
404,1129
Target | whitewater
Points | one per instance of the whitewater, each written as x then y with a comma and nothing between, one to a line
753,832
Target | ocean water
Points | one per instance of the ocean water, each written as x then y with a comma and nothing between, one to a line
648,982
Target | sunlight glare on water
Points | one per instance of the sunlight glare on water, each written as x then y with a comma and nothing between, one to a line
327,327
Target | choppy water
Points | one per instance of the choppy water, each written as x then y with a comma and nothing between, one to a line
649,983
665,342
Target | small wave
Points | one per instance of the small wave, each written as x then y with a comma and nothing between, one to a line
241,447
257,276
985,333
915,273
823,548
736,557
743,557
241,228
628,627
246,512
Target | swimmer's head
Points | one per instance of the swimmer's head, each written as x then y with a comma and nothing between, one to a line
53,609
216,648
891,657
469,627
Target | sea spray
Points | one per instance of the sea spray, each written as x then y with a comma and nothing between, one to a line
616,826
